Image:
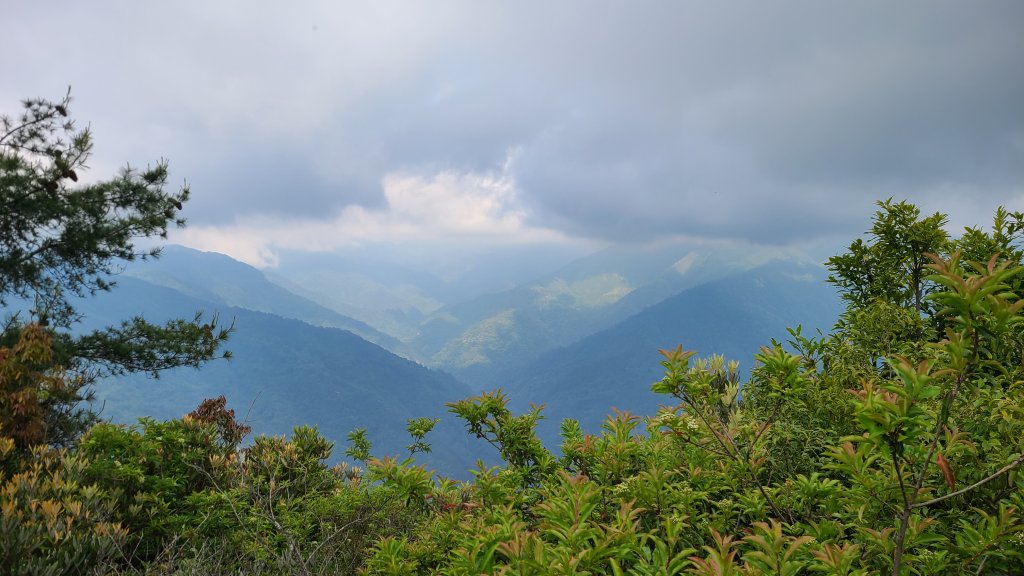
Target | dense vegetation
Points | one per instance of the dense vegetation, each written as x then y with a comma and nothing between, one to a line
891,445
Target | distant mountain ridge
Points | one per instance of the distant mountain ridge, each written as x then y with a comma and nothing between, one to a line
222,280
507,331
394,290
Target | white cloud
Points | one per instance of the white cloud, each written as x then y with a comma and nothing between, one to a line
435,207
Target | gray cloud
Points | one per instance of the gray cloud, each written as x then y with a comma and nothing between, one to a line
771,122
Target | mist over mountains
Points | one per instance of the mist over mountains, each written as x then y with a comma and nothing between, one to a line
344,342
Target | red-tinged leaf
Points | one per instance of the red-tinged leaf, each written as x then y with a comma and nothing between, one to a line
947,471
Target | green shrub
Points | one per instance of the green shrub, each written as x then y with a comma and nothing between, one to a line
52,522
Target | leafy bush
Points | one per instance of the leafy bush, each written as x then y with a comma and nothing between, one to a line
53,522
156,467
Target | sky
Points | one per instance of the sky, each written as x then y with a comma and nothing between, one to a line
327,125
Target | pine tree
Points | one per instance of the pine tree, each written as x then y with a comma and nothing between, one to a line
62,238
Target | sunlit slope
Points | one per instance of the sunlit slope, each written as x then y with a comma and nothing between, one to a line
508,330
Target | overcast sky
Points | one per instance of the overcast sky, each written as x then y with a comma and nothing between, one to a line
313,125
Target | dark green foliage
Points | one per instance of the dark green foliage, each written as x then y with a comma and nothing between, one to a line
886,447
156,467
487,417
280,510
418,428
1004,241
139,346
359,445
57,237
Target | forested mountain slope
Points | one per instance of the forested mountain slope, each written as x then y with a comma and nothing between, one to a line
546,344
733,317
285,372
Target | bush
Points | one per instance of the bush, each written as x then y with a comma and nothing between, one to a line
53,522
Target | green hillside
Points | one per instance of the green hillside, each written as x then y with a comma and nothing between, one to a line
890,445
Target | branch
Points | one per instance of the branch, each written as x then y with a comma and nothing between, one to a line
989,478
739,458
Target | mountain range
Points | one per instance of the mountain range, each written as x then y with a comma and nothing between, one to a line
507,331
580,339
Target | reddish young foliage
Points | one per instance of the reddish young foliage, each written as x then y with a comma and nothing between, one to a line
215,411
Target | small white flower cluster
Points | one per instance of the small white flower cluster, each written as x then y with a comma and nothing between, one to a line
621,488
664,420
926,554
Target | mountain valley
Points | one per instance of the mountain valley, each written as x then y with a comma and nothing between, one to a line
579,340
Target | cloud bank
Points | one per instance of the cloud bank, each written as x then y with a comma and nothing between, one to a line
318,124
444,207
